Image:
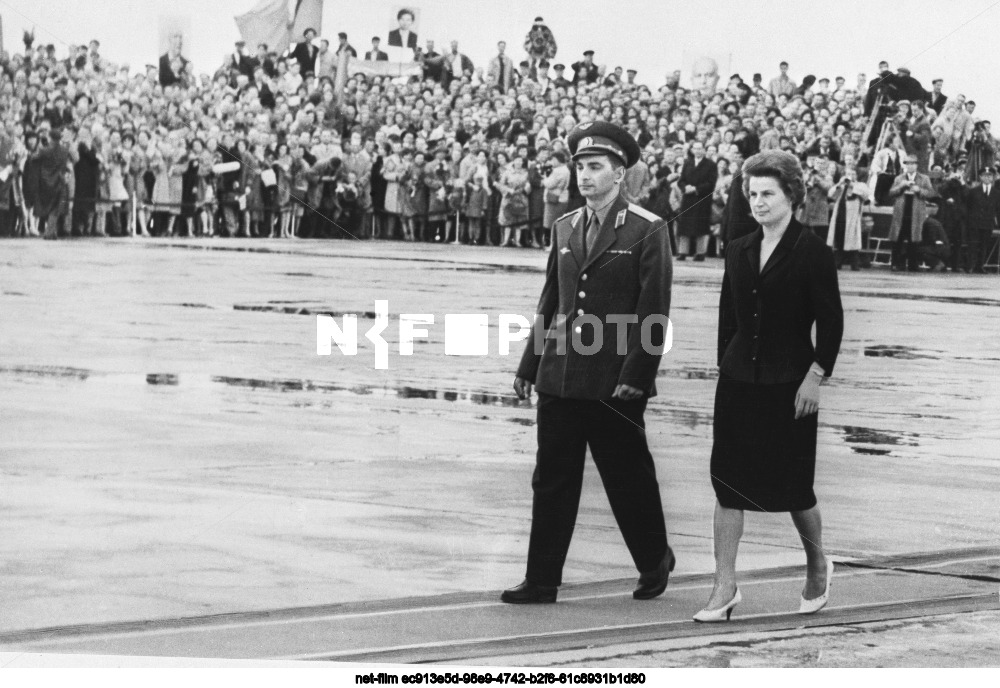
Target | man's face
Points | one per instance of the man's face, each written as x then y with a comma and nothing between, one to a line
596,176
704,75
970,107
501,47
405,21
784,68
697,149
454,46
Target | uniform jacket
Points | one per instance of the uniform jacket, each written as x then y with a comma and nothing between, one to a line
983,212
628,271
919,205
396,39
766,317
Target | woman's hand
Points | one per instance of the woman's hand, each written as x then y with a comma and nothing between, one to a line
807,398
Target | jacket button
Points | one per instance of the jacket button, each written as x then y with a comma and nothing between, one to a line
755,336
579,311
582,294
754,358
755,315
754,291
583,276
578,330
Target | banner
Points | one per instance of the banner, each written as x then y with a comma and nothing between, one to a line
266,23
308,15
370,68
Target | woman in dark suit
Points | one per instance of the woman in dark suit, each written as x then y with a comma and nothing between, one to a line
779,280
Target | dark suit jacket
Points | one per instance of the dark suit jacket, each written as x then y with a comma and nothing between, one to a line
396,40
628,271
379,56
167,76
937,101
983,212
766,318
305,54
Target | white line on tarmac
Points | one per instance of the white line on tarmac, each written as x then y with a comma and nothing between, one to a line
390,612
555,634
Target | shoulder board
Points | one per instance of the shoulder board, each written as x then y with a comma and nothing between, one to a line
643,213
570,215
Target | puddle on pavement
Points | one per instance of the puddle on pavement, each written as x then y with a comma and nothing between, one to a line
854,435
494,269
897,351
162,379
301,310
13,293
47,371
195,305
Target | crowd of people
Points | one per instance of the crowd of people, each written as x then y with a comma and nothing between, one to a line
266,147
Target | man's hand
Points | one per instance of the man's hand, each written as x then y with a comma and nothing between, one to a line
522,388
689,189
626,393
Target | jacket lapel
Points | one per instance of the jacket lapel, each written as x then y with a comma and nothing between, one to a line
784,247
751,252
576,237
606,235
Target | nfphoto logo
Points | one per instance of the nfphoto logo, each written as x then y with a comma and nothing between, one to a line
468,334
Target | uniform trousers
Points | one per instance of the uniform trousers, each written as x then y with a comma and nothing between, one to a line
615,431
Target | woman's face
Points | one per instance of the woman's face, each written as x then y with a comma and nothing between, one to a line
768,201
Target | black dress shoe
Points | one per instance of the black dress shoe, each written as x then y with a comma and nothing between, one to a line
529,593
653,583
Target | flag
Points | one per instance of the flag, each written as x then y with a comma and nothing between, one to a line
308,15
267,23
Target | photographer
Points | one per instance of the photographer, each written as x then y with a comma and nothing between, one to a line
815,211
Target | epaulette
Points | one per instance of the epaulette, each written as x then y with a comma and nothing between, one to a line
567,215
643,213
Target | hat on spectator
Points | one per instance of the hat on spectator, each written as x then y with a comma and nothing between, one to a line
631,71
588,52
938,81
240,44
757,76
903,70
824,80
558,67
603,138
987,169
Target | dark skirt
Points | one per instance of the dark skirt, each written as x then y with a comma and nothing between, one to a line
762,459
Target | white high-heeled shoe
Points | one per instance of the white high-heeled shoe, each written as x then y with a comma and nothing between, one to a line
722,613
814,605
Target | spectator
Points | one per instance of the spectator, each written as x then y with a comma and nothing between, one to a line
782,84
845,236
540,44
983,213
514,189
402,37
376,55
696,184
305,53
909,193
500,73
585,71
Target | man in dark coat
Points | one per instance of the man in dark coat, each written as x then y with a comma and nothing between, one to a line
587,63
86,172
52,164
376,55
609,262
305,53
697,184
935,98
983,214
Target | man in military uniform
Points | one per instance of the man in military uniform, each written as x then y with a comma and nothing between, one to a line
587,63
609,275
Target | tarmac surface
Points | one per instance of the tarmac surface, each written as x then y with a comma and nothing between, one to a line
183,475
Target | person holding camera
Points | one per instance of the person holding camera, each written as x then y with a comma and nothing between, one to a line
909,194
849,197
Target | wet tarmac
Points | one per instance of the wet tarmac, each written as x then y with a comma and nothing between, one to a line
172,445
